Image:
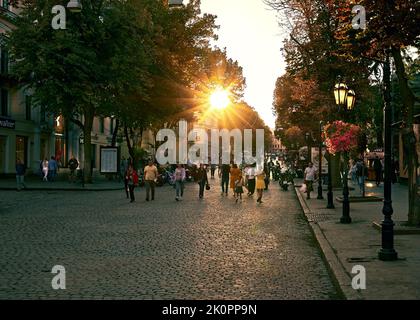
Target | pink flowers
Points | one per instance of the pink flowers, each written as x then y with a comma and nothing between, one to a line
341,136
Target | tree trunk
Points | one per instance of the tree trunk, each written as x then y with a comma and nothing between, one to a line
129,145
115,133
409,139
89,116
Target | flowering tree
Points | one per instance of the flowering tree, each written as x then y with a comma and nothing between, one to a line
341,137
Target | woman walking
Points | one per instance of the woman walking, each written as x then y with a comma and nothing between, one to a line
180,176
235,173
132,181
260,185
45,169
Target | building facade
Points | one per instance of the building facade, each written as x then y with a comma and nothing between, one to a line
27,131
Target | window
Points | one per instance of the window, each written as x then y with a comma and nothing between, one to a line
111,125
101,125
21,149
6,4
4,102
28,107
4,61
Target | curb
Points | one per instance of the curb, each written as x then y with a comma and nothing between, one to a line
341,277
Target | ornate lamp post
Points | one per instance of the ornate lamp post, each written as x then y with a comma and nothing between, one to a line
346,99
387,252
320,197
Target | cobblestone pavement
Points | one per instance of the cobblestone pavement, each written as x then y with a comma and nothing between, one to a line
196,249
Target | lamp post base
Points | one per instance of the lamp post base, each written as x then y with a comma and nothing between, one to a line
345,220
320,197
387,255
330,204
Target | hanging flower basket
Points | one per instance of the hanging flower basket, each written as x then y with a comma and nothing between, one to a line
340,137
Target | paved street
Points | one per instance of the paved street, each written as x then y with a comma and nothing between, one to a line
195,249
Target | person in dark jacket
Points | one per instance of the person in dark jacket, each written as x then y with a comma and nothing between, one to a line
377,166
20,174
203,180
224,174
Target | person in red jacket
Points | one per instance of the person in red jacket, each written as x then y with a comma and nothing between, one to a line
132,181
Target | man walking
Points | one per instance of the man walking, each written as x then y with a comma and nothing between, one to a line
202,180
20,174
309,177
52,168
224,174
180,176
377,166
150,176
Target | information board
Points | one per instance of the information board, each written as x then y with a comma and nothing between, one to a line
109,159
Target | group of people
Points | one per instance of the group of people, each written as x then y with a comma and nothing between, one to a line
49,169
231,177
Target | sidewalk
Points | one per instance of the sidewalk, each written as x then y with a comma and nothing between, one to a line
33,182
345,246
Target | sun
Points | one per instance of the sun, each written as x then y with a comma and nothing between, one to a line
219,99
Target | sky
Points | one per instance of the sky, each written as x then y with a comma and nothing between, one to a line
251,35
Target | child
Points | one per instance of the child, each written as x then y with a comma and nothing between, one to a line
239,188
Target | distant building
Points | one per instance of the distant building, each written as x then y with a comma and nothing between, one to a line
276,145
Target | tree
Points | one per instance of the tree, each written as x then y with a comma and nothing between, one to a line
392,28
81,72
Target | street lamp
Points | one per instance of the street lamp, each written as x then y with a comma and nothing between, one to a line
345,98
74,6
320,197
340,93
351,100
387,252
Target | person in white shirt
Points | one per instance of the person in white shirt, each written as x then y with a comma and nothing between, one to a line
309,177
45,169
250,178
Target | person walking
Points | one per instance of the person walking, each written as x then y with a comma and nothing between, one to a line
260,185
45,169
73,164
203,180
52,168
250,178
360,173
267,171
150,176
212,170
377,166
20,174
235,173
224,174
180,176
309,177
239,188
132,181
